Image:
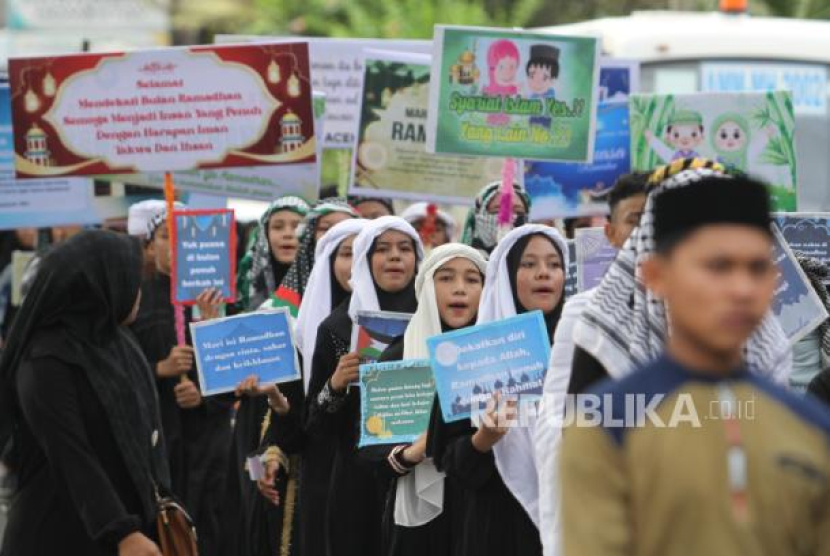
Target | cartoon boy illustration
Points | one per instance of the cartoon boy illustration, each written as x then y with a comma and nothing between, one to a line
542,72
732,140
684,134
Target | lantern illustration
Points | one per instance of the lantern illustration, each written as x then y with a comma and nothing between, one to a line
49,85
274,75
31,101
294,85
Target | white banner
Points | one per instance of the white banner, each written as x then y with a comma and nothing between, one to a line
807,83
337,70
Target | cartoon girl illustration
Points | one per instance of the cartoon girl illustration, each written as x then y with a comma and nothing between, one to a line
731,139
502,65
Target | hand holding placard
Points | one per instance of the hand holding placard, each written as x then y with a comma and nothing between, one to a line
230,350
346,373
509,356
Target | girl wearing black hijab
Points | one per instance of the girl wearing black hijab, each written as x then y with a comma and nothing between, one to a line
448,286
79,400
385,257
494,466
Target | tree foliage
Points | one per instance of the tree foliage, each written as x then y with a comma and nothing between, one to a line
404,19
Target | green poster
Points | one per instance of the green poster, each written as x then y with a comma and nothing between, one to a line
513,94
395,401
391,156
753,133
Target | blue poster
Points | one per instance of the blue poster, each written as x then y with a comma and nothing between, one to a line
593,255
510,356
230,349
796,305
204,251
568,190
38,203
807,233
395,401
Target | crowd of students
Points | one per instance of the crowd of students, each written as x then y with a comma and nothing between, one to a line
666,425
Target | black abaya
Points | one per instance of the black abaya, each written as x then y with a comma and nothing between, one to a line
199,438
355,502
333,519
483,516
432,538
78,396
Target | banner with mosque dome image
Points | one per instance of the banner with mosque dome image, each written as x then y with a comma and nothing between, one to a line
753,133
173,109
500,92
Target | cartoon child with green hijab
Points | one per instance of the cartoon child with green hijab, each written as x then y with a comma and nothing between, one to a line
731,139
684,134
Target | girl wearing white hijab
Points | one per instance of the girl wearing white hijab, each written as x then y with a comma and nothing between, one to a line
493,464
325,289
385,257
448,287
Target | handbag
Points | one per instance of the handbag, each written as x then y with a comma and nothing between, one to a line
177,534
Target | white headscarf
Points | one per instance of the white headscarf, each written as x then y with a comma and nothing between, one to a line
418,211
139,215
317,298
515,452
364,296
420,495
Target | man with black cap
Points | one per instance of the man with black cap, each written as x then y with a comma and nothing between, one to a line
542,72
692,452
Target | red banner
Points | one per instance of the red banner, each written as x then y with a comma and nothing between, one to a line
162,110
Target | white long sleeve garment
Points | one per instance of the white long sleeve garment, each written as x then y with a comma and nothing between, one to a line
549,426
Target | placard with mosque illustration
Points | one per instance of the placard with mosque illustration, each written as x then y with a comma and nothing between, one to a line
509,356
391,157
796,304
204,254
258,183
753,133
162,110
594,254
807,233
395,401
502,92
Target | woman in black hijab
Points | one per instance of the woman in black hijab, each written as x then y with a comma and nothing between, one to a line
79,399
385,259
491,469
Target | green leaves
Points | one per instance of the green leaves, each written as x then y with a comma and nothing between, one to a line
402,19
776,152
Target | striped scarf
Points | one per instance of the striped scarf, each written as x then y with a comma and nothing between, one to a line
290,292
624,326
818,273
256,272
